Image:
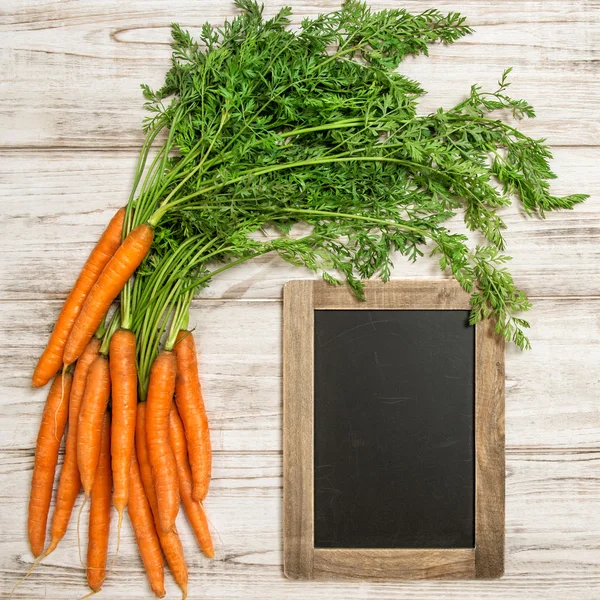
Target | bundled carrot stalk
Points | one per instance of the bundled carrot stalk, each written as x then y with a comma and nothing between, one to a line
70,481
160,453
52,357
99,525
123,375
91,418
193,508
49,438
169,541
190,404
146,536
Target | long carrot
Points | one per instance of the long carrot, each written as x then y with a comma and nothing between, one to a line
147,539
91,415
99,526
193,508
188,395
49,437
119,269
123,376
52,357
70,482
160,453
170,542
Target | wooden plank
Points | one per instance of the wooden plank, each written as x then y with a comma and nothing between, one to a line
51,221
551,392
298,430
553,526
98,53
394,295
489,452
386,564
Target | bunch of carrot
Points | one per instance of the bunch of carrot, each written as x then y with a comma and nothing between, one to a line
150,452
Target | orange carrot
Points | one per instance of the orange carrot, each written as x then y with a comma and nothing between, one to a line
99,526
160,453
188,395
142,521
49,437
170,542
123,376
70,482
193,508
115,275
52,357
91,415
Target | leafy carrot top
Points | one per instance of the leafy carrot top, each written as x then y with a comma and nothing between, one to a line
268,125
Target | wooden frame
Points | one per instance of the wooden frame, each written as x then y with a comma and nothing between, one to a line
301,559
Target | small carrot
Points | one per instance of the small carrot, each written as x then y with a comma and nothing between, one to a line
49,437
160,453
70,482
123,376
91,415
190,404
147,539
193,508
99,526
52,357
115,275
170,542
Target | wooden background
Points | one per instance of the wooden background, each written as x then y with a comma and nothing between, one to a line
70,113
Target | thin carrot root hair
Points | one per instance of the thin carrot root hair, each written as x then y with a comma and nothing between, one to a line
89,595
37,561
85,499
112,563
212,526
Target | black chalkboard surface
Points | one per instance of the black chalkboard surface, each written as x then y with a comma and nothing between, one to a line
393,429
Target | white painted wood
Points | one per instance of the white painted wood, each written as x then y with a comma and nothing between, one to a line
70,99
51,220
553,524
71,70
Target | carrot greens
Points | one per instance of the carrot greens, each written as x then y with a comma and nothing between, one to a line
272,127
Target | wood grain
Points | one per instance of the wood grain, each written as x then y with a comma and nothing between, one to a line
71,71
393,295
298,429
382,565
489,452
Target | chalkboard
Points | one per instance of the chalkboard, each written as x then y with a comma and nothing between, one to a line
394,399
393,434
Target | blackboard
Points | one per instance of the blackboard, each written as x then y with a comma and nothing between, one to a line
393,434
394,399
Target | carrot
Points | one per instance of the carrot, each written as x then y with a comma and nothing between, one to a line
119,269
91,415
99,526
142,521
160,453
123,376
170,542
52,357
188,395
49,437
70,482
193,508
